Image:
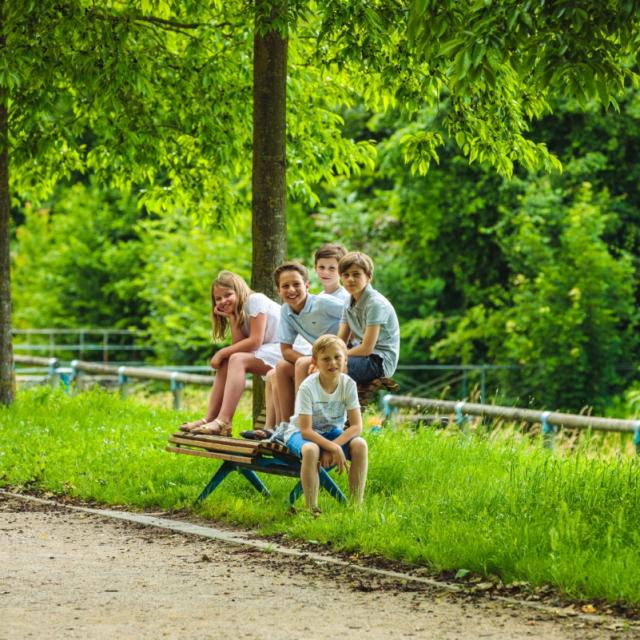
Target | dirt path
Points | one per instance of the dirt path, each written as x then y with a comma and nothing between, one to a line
65,574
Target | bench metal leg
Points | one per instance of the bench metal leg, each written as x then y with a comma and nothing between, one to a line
296,492
326,482
252,477
218,477
225,469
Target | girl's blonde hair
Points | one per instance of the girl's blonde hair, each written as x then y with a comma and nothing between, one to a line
229,280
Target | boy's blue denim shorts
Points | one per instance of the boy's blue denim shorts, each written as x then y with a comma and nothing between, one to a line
296,442
364,369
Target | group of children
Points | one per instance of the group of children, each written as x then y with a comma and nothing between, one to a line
303,348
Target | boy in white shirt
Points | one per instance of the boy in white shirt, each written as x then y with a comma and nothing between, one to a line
316,434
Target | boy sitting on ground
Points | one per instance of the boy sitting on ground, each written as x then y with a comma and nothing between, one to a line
316,434
371,319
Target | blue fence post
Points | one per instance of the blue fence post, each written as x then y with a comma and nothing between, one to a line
387,409
461,419
53,365
176,389
122,382
64,375
75,373
548,430
636,436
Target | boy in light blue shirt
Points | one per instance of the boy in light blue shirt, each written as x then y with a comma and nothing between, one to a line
302,314
371,319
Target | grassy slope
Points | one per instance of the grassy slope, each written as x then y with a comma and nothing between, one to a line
504,509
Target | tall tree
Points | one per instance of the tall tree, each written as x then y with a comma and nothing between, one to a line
155,92
7,385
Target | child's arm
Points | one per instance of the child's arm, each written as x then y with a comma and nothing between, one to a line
343,332
369,340
240,343
335,450
355,429
289,353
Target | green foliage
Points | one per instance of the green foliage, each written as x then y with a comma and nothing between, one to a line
180,261
75,262
500,509
94,260
570,313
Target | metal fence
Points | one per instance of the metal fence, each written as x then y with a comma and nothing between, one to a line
53,371
549,420
107,344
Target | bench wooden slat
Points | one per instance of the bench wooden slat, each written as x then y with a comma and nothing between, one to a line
197,438
214,446
277,449
211,454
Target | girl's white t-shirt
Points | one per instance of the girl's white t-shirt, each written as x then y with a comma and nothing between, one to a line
256,304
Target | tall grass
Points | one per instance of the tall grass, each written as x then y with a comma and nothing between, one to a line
503,508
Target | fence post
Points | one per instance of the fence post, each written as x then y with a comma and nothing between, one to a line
53,365
75,373
548,431
122,382
176,389
483,383
636,436
387,409
460,417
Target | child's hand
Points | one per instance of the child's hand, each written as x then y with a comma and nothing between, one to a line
325,459
338,458
225,314
218,359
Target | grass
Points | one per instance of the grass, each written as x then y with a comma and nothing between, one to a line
477,502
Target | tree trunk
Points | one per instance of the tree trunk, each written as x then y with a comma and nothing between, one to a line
269,222
7,381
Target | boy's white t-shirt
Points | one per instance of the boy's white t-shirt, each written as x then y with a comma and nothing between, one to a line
327,410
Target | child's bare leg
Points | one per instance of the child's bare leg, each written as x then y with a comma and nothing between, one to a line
239,365
309,473
276,402
217,391
358,469
301,370
285,372
269,401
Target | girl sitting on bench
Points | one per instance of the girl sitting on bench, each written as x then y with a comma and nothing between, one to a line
253,321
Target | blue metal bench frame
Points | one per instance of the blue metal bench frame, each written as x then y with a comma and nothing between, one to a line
270,461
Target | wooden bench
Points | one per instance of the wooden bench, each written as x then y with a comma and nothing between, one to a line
247,457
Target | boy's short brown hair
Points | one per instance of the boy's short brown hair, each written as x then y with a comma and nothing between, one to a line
326,341
336,251
290,265
358,259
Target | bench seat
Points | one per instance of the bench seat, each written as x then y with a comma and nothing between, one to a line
247,457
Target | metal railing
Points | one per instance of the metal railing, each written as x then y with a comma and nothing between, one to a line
457,378
56,373
79,341
549,420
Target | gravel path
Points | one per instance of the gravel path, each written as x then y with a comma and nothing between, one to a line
65,574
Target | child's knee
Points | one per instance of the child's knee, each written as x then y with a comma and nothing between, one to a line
358,447
310,451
